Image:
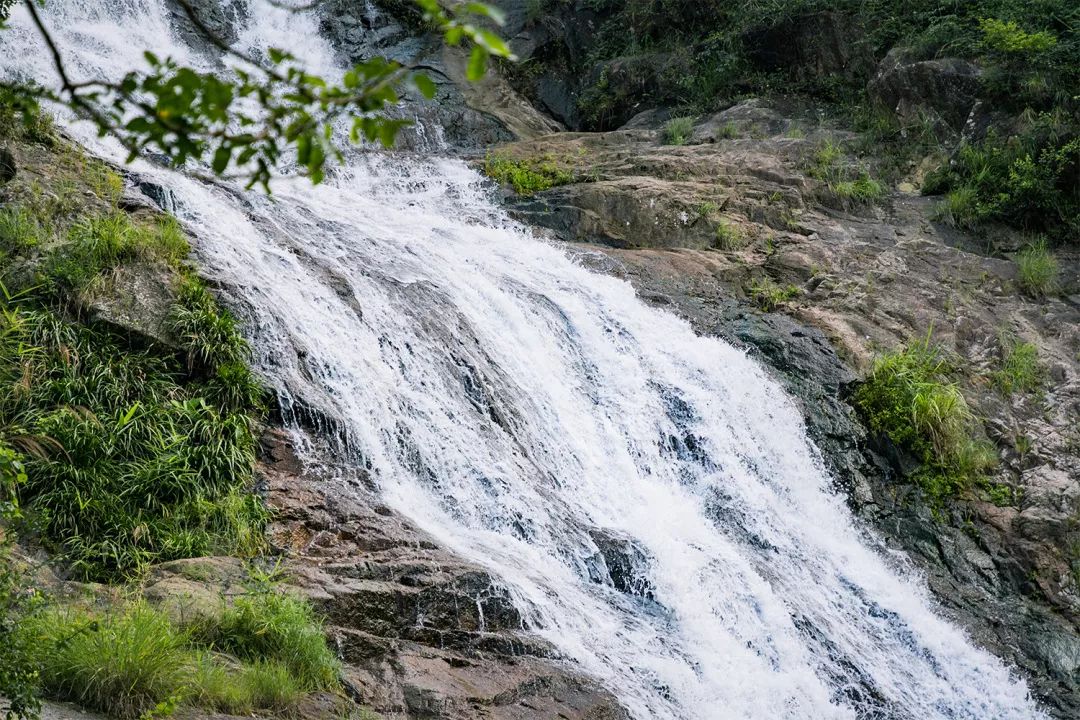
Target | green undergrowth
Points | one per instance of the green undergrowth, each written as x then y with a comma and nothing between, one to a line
527,175
264,652
134,452
847,182
1020,369
912,397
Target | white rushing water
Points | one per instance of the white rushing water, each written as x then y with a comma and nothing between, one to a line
532,415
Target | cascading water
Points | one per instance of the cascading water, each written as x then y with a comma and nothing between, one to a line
532,415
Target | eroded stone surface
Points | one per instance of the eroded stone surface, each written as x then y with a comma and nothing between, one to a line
423,633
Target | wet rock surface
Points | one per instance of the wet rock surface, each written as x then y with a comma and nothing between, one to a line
865,278
467,115
423,633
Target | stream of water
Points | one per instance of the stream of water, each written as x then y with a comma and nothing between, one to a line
542,421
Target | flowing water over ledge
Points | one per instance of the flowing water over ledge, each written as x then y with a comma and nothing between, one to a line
648,497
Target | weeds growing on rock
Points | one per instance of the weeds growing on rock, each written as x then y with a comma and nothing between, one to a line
526,176
131,658
863,189
677,130
1037,269
1020,368
730,237
769,296
912,398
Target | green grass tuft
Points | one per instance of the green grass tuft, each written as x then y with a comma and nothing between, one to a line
269,624
122,663
1037,269
1020,368
911,398
769,296
129,659
677,130
730,237
863,189
20,231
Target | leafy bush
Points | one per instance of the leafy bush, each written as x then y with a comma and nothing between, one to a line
1037,269
526,176
911,398
1031,181
135,464
19,683
677,130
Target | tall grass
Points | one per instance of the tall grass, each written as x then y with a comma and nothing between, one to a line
1037,269
269,624
130,659
140,465
121,663
912,398
677,130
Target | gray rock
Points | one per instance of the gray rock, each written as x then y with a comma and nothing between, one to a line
221,18
422,633
813,46
7,166
944,89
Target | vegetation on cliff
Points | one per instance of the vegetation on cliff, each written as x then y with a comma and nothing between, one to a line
119,451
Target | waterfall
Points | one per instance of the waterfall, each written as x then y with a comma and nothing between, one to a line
648,498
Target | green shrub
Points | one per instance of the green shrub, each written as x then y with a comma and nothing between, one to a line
1020,368
1037,269
139,466
677,130
769,295
1007,36
527,176
911,398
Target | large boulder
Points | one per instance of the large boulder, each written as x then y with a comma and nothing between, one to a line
218,21
941,90
813,46
469,115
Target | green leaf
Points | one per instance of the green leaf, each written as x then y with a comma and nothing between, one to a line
425,85
221,159
477,64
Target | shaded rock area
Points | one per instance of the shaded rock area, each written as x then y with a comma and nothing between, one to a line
697,228
939,91
424,634
467,115
812,46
